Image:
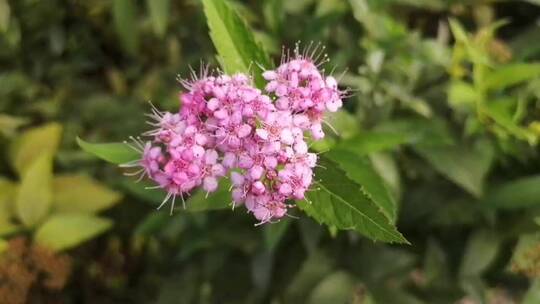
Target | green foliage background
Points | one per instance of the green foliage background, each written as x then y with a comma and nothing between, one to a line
440,137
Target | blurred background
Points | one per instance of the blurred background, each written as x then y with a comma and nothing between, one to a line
445,104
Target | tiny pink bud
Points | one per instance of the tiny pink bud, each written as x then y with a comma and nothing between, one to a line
210,184
213,104
256,172
285,189
258,187
244,130
269,75
237,179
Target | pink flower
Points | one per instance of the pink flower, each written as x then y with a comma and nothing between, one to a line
227,127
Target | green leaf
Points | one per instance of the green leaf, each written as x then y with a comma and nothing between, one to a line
337,287
462,95
370,142
537,2
382,294
34,197
116,153
313,269
500,111
377,23
526,44
79,193
152,223
465,166
387,167
458,31
274,233
197,202
5,13
64,231
159,14
521,193
419,132
202,201
432,5
482,249
360,170
234,42
511,74
533,294
125,24
34,143
435,265
10,124
339,201
340,124
274,14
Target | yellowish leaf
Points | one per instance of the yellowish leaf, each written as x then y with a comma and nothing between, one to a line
79,193
34,197
7,191
65,231
33,143
3,245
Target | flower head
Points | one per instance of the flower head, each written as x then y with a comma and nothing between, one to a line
226,127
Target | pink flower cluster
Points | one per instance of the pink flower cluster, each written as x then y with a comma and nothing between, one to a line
228,128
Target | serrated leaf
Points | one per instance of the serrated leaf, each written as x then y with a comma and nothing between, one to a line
511,74
465,166
64,231
80,193
125,24
521,193
234,42
116,153
339,201
360,170
34,197
159,14
33,143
